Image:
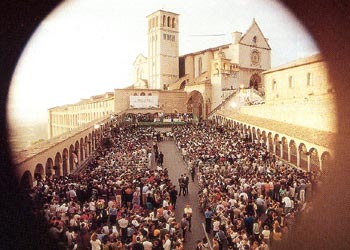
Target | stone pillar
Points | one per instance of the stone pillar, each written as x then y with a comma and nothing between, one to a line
321,164
298,158
281,148
308,162
288,154
274,147
267,145
60,169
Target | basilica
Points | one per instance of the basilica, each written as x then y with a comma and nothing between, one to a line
291,106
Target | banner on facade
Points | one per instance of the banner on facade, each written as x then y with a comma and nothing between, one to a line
143,102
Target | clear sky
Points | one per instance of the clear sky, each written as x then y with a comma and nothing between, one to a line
87,47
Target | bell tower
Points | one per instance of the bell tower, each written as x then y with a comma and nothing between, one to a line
163,49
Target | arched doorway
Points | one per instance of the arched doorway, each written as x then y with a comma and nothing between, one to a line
264,138
39,172
270,141
314,160
86,147
293,152
324,161
277,145
303,156
284,146
65,162
72,157
57,166
49,167
195,104
255,82
81,153
26,180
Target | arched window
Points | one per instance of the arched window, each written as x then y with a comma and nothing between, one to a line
156,22
274,85
164,21
142,94
291,82
149,94
309,79
200,66
169,21
173,23
135,94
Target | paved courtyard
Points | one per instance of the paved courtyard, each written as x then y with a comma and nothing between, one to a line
173,161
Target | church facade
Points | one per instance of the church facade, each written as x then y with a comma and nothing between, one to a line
207,77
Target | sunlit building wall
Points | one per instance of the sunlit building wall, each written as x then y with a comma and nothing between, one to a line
298,93
68,117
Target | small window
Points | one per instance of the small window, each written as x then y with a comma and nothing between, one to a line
135,94
173,23
164,36
200,66
274,85
309,79
254,40
291,82
142,94
149,94
169,21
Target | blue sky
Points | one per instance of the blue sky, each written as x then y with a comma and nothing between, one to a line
87,47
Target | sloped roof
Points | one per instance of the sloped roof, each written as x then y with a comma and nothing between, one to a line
250,30
317,137
205,50
140,57
298,62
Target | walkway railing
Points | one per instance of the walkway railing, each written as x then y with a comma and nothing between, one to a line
223,103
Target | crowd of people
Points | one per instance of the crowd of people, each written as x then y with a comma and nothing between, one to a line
250,199
120,201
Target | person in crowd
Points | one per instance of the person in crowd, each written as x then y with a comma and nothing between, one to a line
184,226
173,196
186,182
188,211
161,158
193,172
95,242
182,185
208,218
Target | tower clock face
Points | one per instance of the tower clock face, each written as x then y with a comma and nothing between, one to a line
255,57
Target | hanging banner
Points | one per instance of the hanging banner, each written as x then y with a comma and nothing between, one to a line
143,102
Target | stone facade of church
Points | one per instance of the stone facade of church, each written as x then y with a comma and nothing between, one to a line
203,81
209,76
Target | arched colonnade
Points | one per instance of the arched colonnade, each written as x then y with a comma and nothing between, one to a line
302,154
61,159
